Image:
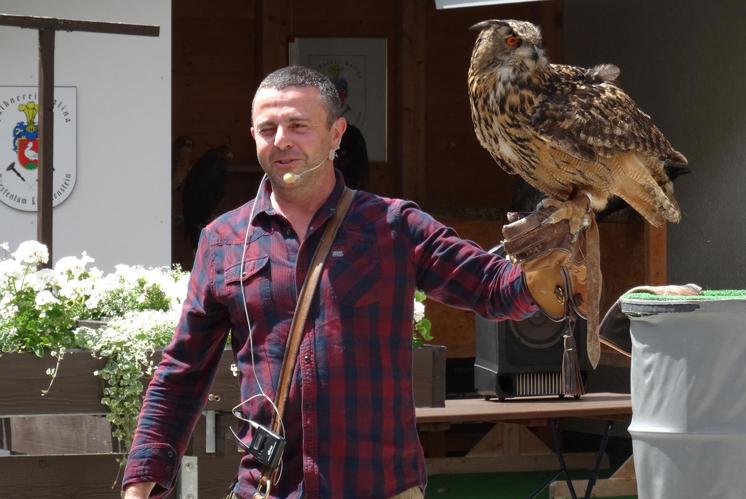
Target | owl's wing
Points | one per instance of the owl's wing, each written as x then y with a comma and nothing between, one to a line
585,114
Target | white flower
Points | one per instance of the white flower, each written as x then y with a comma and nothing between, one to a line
11,270
8,309
419,311
41,279
31,253
72,290
72,265
45,298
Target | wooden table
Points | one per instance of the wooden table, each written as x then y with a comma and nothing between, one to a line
595,405
526,436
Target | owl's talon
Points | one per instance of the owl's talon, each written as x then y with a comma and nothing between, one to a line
576,211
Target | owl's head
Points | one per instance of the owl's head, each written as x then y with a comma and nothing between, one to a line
512,48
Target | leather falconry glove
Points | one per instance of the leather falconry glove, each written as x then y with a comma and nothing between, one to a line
552,260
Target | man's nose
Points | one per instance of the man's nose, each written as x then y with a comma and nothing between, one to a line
282,140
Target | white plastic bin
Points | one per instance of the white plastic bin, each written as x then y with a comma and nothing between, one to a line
688,387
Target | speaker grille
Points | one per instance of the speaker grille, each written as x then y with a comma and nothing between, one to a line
530,384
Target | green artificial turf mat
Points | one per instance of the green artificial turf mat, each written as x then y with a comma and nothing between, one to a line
707,295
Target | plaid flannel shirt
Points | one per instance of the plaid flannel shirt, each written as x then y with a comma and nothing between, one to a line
350,415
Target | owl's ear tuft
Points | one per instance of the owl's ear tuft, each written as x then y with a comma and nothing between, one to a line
487,23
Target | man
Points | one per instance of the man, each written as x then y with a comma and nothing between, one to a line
349,419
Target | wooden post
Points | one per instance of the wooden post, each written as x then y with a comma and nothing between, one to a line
275,17
656,249
412,100
45,167
47,27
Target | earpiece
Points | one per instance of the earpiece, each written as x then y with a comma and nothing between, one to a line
332,153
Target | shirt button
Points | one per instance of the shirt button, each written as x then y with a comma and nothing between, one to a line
307,358
307,405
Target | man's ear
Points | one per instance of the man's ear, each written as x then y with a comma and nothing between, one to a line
251,130
338,129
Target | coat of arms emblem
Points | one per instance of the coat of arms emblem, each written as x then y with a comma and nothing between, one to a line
20,145
26,137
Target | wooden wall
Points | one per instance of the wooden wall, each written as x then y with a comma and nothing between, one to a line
220,55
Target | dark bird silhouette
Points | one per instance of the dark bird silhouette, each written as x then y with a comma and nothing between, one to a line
203,189
181,153
352,158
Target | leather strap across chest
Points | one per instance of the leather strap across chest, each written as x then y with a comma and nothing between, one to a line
302,307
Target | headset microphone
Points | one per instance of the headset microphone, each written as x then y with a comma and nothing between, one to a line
291,178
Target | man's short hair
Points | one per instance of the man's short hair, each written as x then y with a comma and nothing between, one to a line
301,76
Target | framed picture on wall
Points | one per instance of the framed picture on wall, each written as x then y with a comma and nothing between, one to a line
357,66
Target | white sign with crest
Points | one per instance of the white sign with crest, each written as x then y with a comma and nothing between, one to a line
19,145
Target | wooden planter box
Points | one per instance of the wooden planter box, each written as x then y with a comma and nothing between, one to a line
67,450
76,390
429,375
60,442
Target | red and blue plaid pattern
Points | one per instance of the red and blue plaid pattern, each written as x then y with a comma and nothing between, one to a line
350,416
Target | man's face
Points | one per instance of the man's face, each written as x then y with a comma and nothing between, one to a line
291,132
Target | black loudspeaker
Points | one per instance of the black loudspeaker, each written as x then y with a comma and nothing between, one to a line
523,358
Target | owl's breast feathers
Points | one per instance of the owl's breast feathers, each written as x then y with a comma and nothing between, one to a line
501,113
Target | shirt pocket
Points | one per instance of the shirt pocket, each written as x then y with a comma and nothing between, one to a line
235,274
255,279
355,270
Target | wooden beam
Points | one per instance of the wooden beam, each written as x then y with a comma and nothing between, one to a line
76,390
509,463
47,27
59,476
656,255
612,487
412,99
275,17
53,24
45,166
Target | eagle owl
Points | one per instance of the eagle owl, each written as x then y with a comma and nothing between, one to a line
566,130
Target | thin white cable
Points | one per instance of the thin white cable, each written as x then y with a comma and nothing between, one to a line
236,412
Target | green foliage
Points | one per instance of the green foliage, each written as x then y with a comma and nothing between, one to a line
39,310
421,327
128,344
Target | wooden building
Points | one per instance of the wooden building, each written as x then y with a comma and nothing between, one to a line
220,55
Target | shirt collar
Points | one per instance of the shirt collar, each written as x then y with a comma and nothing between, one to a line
264,206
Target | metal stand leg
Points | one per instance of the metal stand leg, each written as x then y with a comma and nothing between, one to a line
599,458
558,449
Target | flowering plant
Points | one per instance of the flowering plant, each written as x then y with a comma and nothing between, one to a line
40,310
421,327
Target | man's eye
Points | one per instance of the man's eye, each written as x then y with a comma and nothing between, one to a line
266,131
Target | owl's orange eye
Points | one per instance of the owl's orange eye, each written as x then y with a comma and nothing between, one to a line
513,41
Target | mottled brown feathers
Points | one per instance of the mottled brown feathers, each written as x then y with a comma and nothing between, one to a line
566,129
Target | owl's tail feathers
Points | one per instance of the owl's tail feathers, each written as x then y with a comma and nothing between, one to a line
635,184
674,157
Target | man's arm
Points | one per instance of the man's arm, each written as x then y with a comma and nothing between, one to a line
459,273
178,391
139,490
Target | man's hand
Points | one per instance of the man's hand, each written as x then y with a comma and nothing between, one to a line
552,261
138,490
